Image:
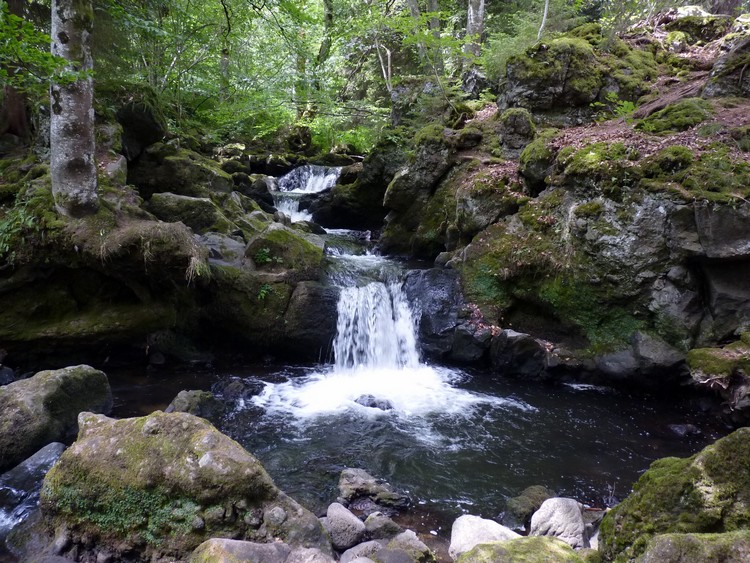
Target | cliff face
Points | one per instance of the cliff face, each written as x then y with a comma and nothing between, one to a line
620,239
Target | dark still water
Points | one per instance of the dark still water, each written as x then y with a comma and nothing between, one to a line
457,441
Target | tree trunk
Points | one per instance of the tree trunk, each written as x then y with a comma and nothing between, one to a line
434,23
474,27
416,14
72,162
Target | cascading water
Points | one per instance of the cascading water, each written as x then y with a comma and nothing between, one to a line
305,180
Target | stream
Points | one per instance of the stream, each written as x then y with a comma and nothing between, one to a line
457,440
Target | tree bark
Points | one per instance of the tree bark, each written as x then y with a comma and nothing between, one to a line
72,162
434,24
474,27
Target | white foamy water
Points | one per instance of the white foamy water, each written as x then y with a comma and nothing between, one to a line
307,179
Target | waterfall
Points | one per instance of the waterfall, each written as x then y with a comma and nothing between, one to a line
375,328
307,179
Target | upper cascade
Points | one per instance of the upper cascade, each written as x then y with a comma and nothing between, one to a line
310,178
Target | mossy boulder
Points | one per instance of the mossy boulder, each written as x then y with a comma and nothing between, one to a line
536,161
280,248
561,73
165,168
236,551
528,550
677,117
725,371
729,76
44,409
160,485
198,213
517,129
706,493
700,27
731,547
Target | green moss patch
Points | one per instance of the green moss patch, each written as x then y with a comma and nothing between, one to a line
708,492
677,117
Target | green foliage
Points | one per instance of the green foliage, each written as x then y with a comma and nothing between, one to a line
263,256
14,226
264,291
26,63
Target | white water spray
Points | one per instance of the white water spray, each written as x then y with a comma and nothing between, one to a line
307,179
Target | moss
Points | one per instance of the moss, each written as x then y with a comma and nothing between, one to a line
677,117
598,168
700,28
668,161
537,549
705,493
719,363
592,208
434,133
698,547
589,32
741,136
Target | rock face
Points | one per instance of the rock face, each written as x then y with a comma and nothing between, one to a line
528,550
560,518
45,407
469,531
163,484
701,494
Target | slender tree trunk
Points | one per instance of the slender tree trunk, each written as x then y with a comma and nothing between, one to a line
416,15
14,102
436,54
325,45
544,20
72,162
474,28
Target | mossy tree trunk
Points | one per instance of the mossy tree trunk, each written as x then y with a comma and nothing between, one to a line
72,162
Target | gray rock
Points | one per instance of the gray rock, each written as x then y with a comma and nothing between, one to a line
727,78
199,403
374,403
345,528
7,375
732,547
407,542
724,231
199,213
518,510
142,125
310,321
394,556
469,531
223,250
437,295
362,550
357,483
379,526
45,407
219,549
515,353
470,343
560,518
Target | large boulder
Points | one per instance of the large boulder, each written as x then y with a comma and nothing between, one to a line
357,484
437,299
728,77
345,529
518,510
708,492
44,409
199,213
279,248
162,485
561,518
528,550
142,125
469,531
227,550
310,320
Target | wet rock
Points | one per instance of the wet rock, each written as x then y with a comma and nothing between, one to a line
406,542
198,403
518,510
379,526
218,549
374,403
310,321
700,494
234,388
345,529
363,550
561,518
280,248
470,343
684,430
19,487
469,531
45,407
196,482
437,300
515,353
7,375
528,550
224,250
357,483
